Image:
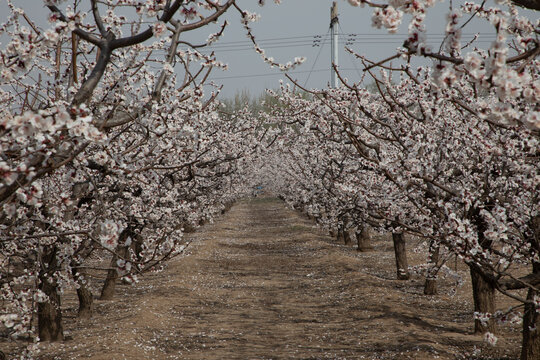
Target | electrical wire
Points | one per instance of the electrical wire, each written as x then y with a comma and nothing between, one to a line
345,38
350,56
319,40
317,57
274,74
314,36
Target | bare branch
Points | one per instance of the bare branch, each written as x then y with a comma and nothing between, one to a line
97,19
147,34
529,4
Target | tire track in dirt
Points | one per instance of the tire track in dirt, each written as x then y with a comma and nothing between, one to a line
264,283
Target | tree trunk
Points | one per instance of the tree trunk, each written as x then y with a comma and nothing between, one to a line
362,239
530,349
107,291
49,315
340,236
483,291
49,312
137,246
484,302
401,256
86,300
347,237
430,286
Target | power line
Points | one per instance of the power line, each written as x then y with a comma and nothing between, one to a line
275,74
347,38
249,46
267,43
350,56
314,36
317,42
267,39
316,58
284,46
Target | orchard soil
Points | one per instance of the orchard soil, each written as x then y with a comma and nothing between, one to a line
264,282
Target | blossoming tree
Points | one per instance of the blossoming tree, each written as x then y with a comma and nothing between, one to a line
449,153
104,151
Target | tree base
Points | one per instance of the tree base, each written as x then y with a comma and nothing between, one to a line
430,287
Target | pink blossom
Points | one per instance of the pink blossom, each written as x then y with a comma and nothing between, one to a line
159,28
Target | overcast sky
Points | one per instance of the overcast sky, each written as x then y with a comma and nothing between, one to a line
298,28
290,29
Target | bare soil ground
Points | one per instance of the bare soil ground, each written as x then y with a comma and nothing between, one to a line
264,283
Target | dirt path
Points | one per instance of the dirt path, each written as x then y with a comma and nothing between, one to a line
264,283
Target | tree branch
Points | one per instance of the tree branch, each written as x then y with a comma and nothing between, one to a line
147,34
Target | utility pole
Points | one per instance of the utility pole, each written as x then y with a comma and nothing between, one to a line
334,35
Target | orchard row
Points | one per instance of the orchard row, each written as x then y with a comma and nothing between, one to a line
448,153
111,151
